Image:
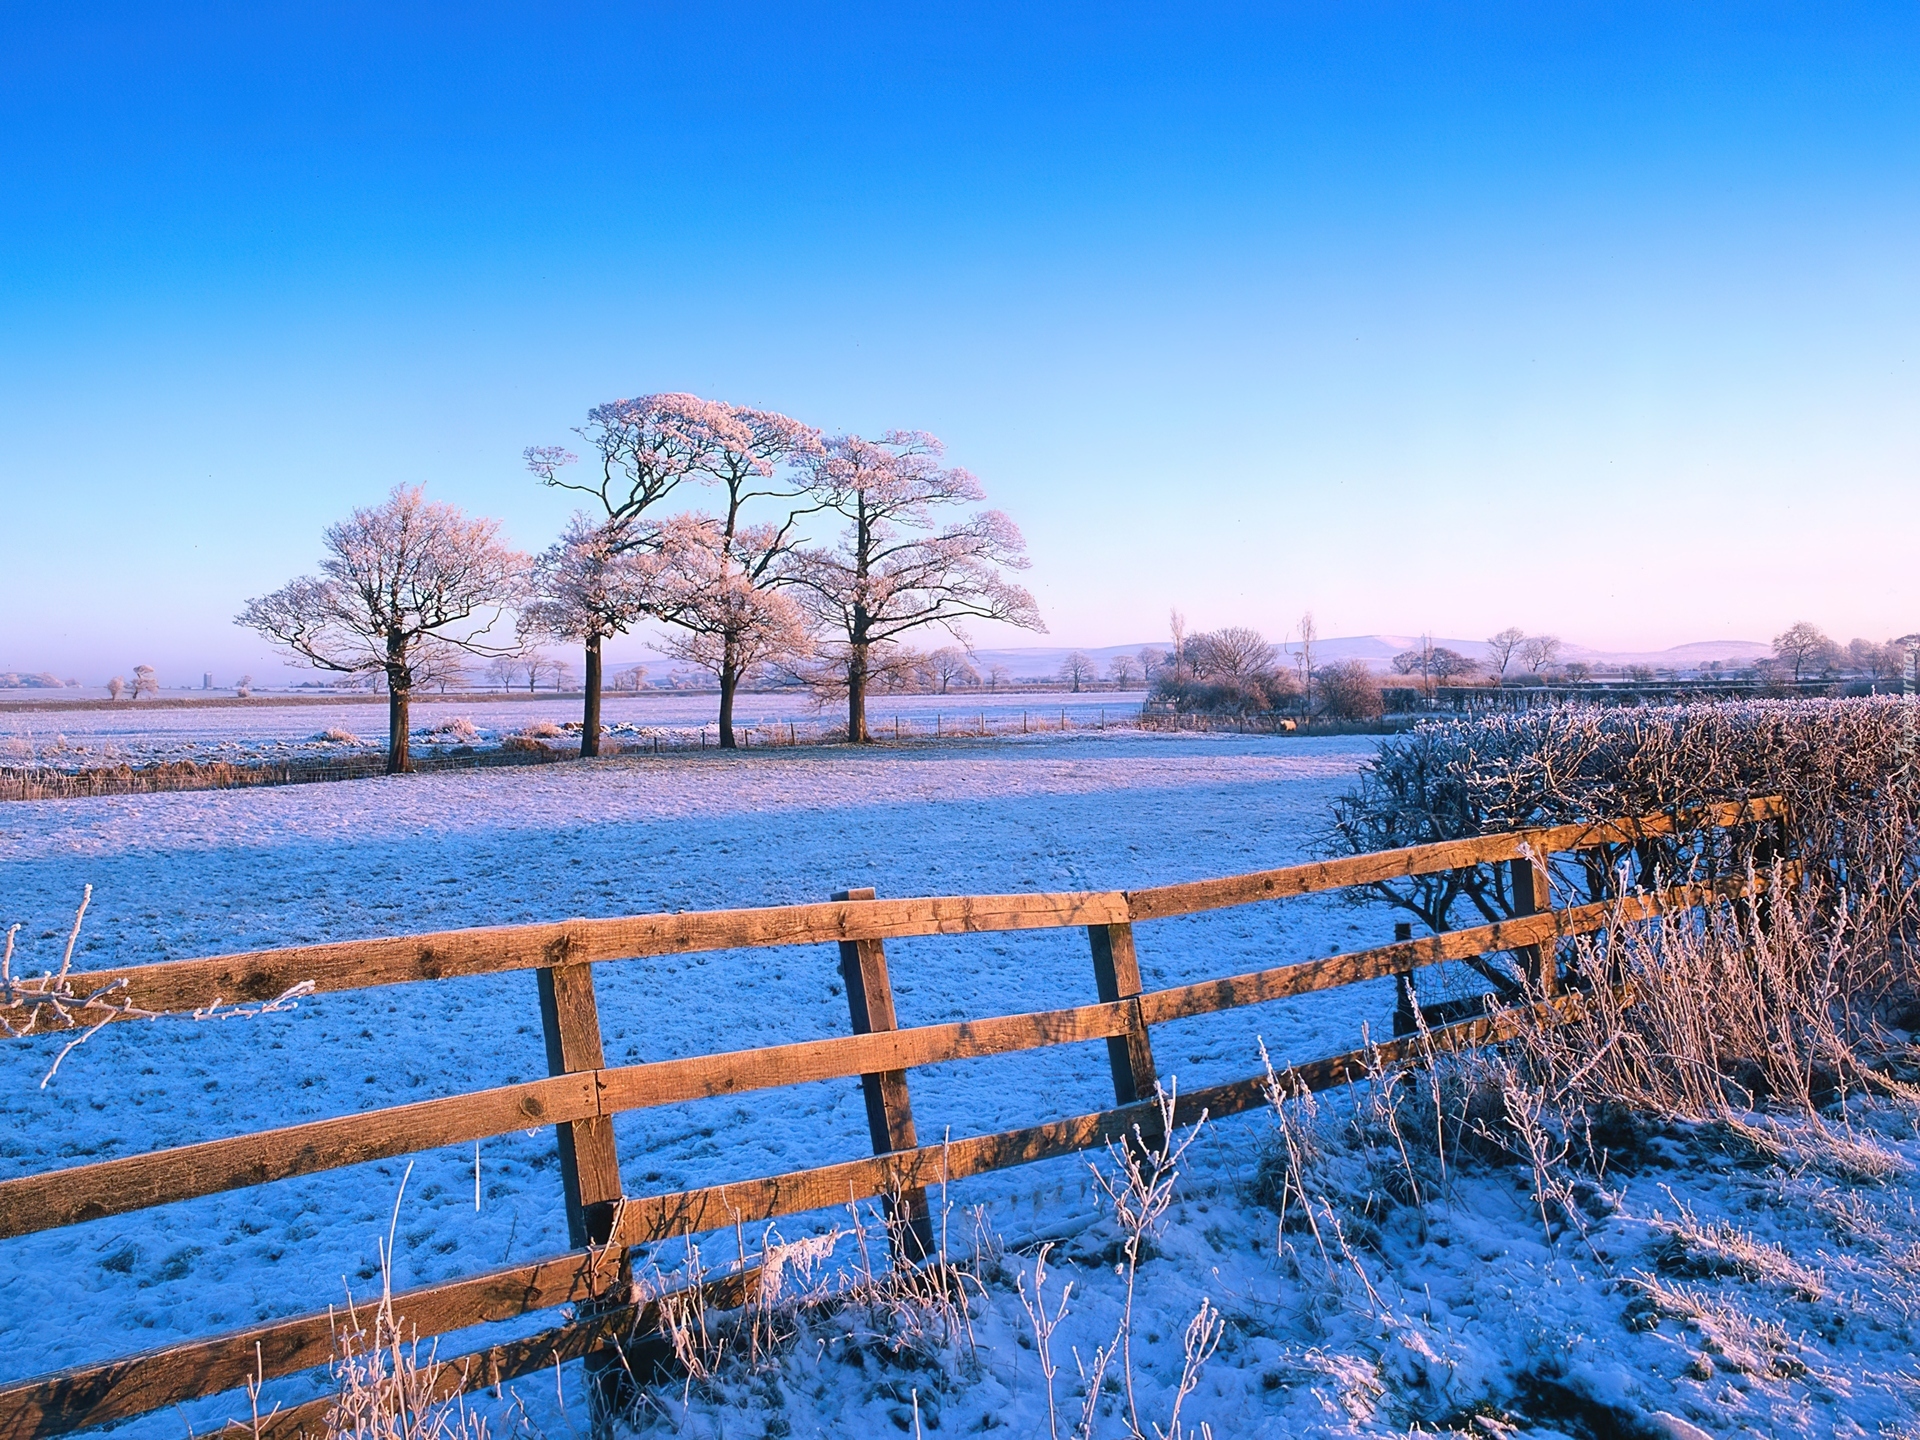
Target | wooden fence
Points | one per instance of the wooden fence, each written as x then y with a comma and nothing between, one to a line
582,1093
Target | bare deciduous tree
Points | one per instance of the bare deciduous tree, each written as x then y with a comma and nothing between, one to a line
1349,691
145,682
395,577
997,676
1539,651
951,665
901,563
1121,670
1078,669
1309,633
1233,652
1502,648
1874,660
1804,647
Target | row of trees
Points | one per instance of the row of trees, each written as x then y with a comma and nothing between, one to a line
818,556
1806,652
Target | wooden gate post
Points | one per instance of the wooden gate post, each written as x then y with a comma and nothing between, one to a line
863,968
1533,895
1116,975
589,1166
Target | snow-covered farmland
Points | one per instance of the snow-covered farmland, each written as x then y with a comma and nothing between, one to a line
1708,1290
142,734
207,872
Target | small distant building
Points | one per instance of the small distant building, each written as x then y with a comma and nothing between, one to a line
206,681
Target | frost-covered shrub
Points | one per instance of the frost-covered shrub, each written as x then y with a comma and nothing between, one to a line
334,735
1348,690
1842,766
1188,694
542,730
456,730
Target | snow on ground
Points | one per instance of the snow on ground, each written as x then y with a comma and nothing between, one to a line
140,734
1710,1289
208,872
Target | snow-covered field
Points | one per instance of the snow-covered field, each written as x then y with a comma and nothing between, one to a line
1443,1307
143,734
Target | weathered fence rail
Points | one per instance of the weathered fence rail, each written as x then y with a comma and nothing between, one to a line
582,1094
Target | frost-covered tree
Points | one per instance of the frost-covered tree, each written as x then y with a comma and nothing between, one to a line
1349,691
1121,670
951,665
1233,652
1502,648
116,687
1804,648
905,559
145,682
1309,632
726,623
646,448
593,583
643,449
1873,659
1539,651
399,580
1078,669
738,562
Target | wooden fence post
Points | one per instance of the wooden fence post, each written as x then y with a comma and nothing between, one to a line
1533,895
863,967
1116,974
1403,1013
589,1166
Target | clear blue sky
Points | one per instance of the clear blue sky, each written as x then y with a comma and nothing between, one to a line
1600,320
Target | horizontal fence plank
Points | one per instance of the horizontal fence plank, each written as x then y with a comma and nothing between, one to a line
497,1364
183,986
646,1219
1280,982
54,1198
1194,896
97,1394
665,1082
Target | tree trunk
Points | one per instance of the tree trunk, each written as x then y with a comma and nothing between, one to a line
590,712
729,682
857,695
398,761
